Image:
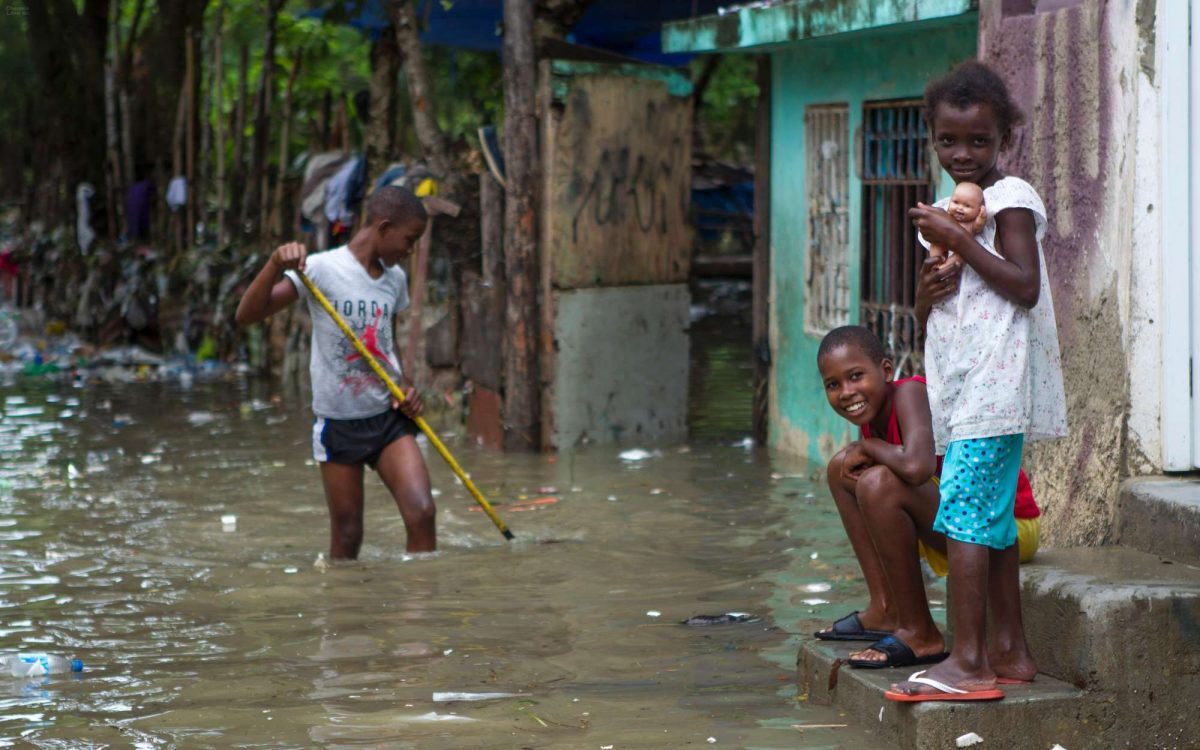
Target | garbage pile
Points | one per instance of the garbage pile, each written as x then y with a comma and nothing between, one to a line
54,353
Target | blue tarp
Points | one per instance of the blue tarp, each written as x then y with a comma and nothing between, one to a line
629,27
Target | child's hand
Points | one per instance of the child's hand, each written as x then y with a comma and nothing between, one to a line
935,225
289,257
855,461
938,280
412,405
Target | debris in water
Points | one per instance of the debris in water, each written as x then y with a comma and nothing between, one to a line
447,652
712,740
968,739
199,418
725,619
816,588
435,716
813,556
321,564
637,454
229,522
654,613
818,726
451,697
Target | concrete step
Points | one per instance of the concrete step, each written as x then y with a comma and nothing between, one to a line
1161,516
1123,625
1035,716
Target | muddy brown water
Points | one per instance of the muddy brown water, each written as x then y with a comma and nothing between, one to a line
197,633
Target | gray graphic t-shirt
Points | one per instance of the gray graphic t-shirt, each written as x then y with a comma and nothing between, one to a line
343,384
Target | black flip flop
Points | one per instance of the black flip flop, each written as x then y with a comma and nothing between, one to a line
898,655
850,628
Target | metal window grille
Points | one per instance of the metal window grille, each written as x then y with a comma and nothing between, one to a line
896,174
827,299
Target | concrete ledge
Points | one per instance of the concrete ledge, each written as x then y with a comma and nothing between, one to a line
1030,716
1124,625
1161,516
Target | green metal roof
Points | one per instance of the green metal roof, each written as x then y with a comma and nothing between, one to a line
797,20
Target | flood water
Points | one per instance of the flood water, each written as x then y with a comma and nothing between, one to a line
198,633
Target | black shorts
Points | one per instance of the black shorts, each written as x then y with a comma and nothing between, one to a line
359,441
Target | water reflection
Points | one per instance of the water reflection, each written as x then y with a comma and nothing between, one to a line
116,549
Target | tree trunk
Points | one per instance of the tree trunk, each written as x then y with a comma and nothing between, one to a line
522,427
429,135
67,47
262,112
239,135
177,163
189,87
381,125
218,89
278,214
113,181
124,73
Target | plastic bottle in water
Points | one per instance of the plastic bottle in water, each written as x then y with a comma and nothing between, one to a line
36,665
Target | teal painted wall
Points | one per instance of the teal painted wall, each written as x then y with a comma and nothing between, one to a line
852,69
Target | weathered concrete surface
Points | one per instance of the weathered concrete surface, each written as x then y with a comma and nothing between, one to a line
1029,716
1161,516
621,364
1077,72
1125,626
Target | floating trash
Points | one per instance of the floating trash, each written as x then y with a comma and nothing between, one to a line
968,739
654,613
435,716
816,588
637,454
452,697
727,618
229,522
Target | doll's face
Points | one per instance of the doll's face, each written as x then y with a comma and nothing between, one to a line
965,202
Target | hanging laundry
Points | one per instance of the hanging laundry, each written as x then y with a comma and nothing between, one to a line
344,191
317,172
177,192
137,208
84,234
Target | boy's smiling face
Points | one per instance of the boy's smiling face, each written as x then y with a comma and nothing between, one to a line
857,388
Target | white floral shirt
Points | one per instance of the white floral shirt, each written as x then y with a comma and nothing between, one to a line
994,367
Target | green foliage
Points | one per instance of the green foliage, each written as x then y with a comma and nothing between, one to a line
727,106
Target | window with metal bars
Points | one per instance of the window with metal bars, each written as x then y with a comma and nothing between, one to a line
827,179
896,174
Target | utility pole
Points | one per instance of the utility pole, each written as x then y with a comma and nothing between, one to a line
521,413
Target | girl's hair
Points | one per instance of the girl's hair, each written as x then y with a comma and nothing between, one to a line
973,82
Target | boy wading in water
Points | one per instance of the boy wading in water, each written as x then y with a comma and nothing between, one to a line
885,486
356,422
995,380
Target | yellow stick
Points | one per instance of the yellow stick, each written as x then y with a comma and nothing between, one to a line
399,396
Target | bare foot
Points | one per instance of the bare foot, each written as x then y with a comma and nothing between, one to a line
1013,665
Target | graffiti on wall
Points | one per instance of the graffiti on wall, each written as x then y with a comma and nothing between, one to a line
619,184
